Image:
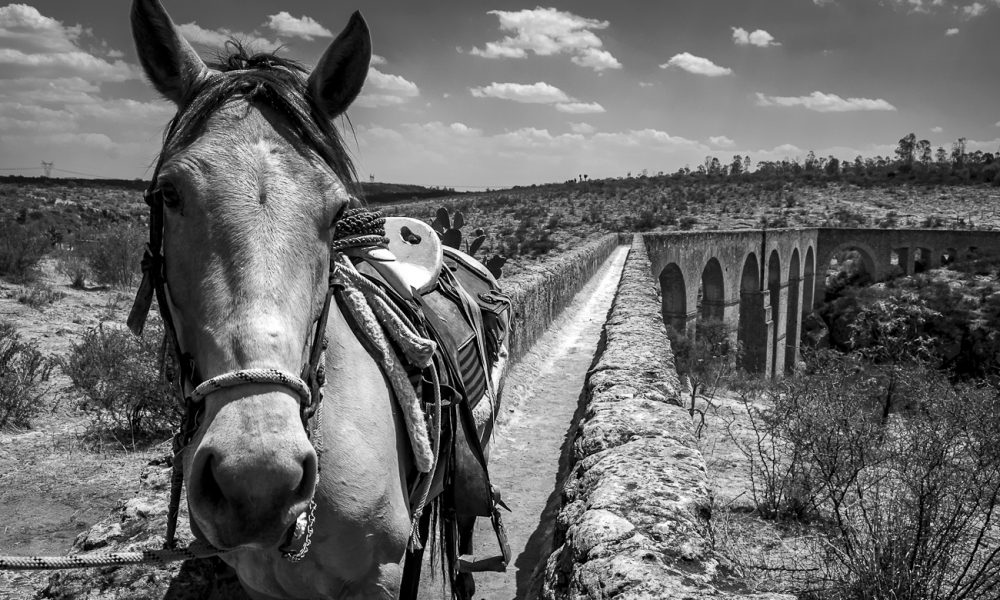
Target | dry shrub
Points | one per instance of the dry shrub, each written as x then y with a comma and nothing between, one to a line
121,382
74,266
114,255
908,506
38,295
21,247
24,378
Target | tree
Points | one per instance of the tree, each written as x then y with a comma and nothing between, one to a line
811,163
924,151
704,360
958,152
832,166
892,333
941,155
906,150
715,167
736,168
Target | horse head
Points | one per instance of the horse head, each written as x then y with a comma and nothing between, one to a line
252,177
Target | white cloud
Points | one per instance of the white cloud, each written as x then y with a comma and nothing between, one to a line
778,153
983,146
937,129
721,141
646,84
822,102
997,124
579,108
304,27
217,38
23,27
420,153
378,60
976,9
596,59
383,89
582,128
758,37
952,31
495,50
696,64
535,93
973,10
547,32
33,45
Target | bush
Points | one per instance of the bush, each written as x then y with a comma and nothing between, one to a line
74,266
21,247
114,256
908,507
687,223
24,377
38,295
120,378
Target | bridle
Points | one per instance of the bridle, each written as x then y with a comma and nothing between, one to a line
352,228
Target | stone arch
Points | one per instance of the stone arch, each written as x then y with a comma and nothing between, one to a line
674,297
752,330
774,287
793,312
867,262
713,302
948,256
923,259
808,282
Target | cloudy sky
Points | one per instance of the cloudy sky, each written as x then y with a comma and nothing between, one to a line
473,93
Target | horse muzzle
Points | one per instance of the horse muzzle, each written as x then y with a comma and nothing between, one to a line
252,471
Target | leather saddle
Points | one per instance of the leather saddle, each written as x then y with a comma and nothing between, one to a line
465,312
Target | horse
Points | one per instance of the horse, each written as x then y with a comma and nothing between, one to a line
252,180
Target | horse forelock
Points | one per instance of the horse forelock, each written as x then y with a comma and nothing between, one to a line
267,80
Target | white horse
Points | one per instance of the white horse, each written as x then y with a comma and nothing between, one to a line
252,178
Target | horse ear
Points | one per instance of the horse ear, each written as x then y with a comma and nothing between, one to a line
338,77
170,63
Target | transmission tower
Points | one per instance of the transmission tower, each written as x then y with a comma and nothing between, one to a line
47,167
371,178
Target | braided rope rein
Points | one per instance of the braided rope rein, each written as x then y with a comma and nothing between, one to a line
369,304
115,559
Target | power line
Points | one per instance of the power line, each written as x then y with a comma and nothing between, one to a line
80,173
21,169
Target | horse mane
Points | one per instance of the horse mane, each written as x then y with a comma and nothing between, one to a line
266,79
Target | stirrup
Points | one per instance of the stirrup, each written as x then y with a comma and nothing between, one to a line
496,564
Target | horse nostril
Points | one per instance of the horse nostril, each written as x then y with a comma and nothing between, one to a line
308,481
208,486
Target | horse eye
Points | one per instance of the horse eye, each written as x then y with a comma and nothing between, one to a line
171,197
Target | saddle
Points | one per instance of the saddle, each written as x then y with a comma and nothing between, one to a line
462,308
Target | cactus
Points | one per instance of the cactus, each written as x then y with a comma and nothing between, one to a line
449,226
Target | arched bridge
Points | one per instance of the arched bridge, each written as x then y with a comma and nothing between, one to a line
761,282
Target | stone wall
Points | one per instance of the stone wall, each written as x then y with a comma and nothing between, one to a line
636,504
541,293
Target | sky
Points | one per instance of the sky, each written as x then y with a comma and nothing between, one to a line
473,93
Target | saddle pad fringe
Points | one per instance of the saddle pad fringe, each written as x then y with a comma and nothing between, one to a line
414,347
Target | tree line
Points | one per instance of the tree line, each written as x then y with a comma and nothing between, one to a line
912,160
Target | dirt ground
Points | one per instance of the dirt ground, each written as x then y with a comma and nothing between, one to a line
54,481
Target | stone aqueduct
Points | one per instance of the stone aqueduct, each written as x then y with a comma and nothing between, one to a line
762,282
